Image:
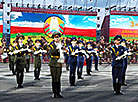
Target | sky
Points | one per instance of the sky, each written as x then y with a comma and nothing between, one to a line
24,19
37,20
100,3
118,21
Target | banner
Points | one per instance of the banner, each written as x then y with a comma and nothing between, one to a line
35,25
127,26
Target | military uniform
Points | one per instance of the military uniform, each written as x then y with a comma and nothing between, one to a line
80,60
89,59
95,57
11,58
67,61
55,67
27,62
96,61
20,65
20,62
28,55
37,62
4,54
125,60
67,54
117,65
72,62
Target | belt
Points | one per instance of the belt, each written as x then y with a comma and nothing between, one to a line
20,55
73,56
54,56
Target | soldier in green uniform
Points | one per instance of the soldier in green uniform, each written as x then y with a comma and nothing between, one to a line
11,57
20,61
37,59
15,44
55,66
4,54
27,65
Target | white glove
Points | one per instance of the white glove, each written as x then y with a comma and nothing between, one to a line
87,56
73,53
42,51
59,46
118,58
29,50
10,53
101,52
36,52
22,50
76,51
96,54
16,51
89,52
95,51
125,52
129,53
82,51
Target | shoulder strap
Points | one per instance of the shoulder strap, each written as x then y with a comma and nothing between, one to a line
115,52
52,46
70,48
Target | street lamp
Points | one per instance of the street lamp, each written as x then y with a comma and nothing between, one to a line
79,8
59,6
89,8
16,4
49,6
69,7
28,5
38,6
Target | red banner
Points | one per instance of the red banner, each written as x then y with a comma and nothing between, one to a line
67,31
123,32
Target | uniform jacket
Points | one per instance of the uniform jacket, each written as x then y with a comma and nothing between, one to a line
54,55
115,53
72,49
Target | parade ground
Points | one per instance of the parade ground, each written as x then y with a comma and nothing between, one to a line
94,88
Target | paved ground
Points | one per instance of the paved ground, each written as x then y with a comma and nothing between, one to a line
95,88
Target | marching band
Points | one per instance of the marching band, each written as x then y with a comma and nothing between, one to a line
72,51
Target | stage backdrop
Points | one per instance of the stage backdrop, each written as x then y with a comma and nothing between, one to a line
36,25
127,26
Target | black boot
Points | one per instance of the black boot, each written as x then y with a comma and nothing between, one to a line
67,67
73,81
118,92
36,74
115,87
79,75
10,67
19,86
88,71
96,67
19,80
123,82
13,71
59,90
70,80
54,95
28,65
